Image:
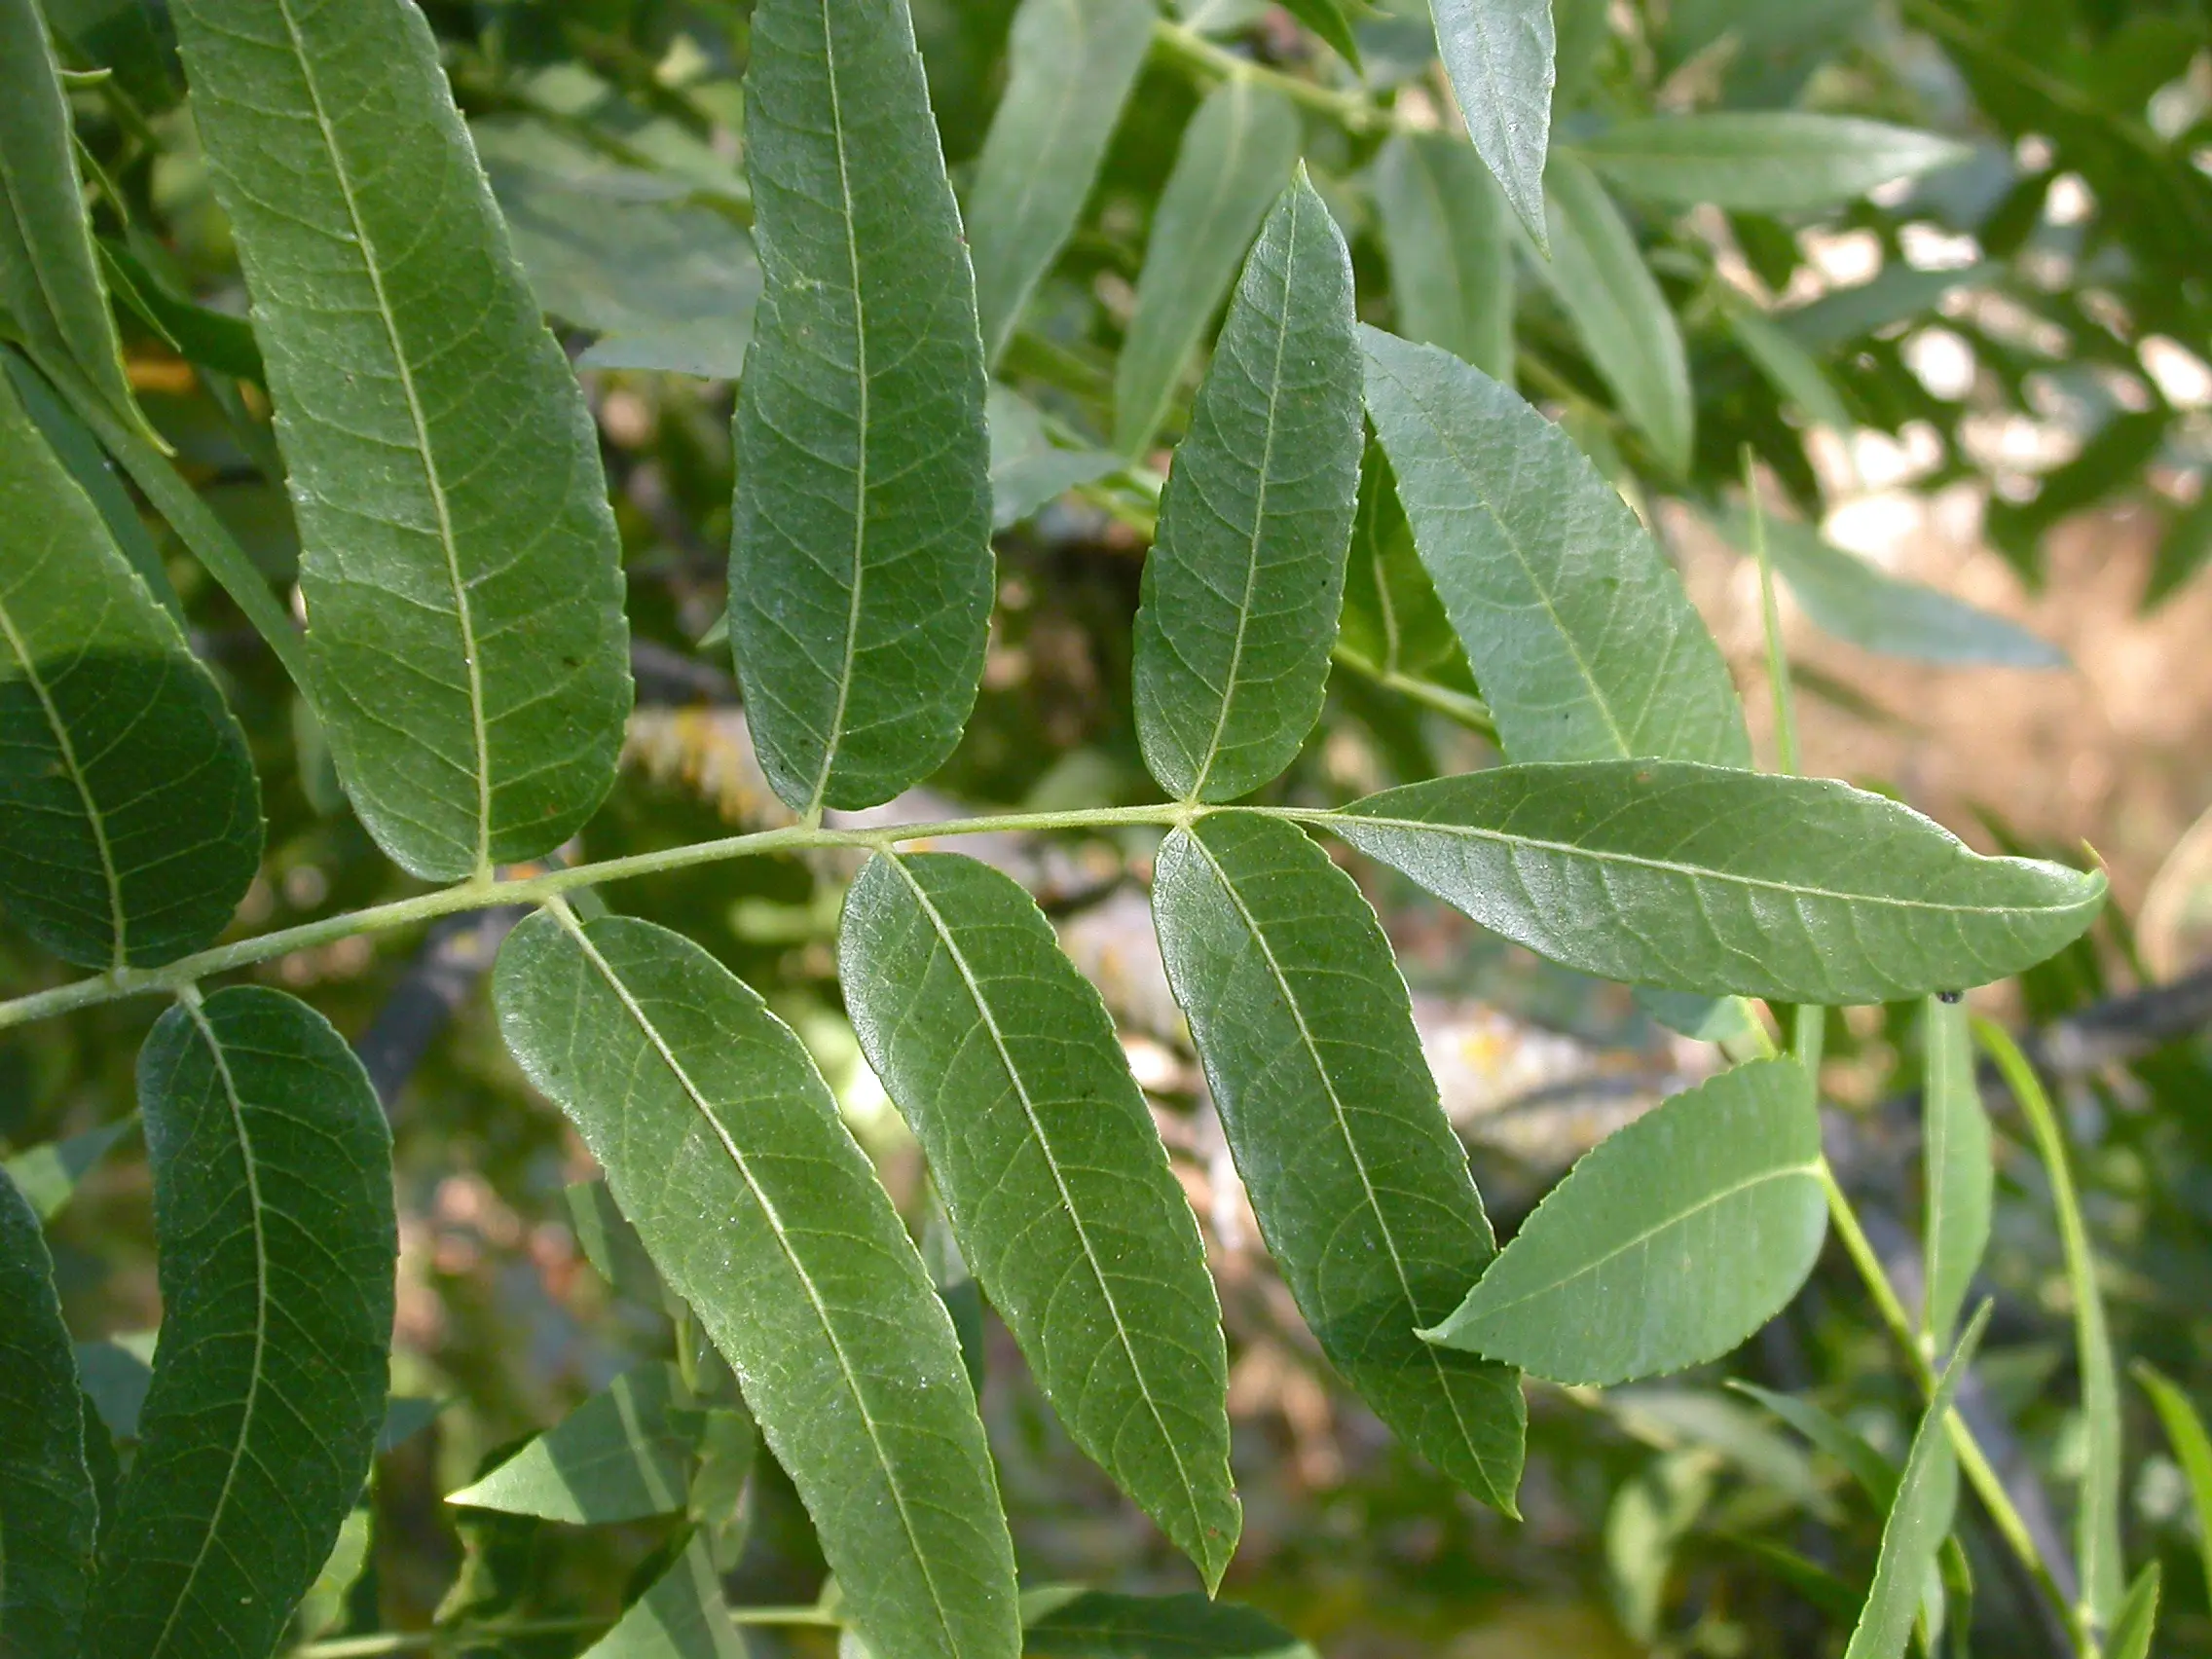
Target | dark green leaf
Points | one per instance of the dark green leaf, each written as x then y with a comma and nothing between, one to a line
2192,1449
1451,253
1900,291
1070,67
1245,580
1665,1246
680,1617
129,818
1360,1186
623,1454
1097,1625
2182,550
47,1175
458,558
1236,155
1498,54
1722,882
209,338
1793,372
1958,1177
1585,645
1869,1467
1767,161
610,1243
1004,1061
116,1375
861,562
724,1147
1392,619
273,1209
2137,1620
1027,468
47,1512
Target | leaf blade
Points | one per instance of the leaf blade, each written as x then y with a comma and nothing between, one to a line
1764,162
1499,56
1451,253
620,1456
1099,1625
1959,1177
682,1615
2192,1449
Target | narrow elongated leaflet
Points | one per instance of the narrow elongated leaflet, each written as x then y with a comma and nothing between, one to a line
1793,372
723,1146
1665,1245
2137,1620
1722,882
1615,304
1070,67
1097,1624
1326,18
1392,619
1451,250
1360,1186
1873,1472
1003,1059
2191,1448
861,557
1767,161
48,1511
272,1210
1585,643
1957,1178
1245,580
682,1615
1498,54
129,818
622,1454
458,556
1235,157
47,1175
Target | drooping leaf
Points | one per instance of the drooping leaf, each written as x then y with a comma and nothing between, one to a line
1624,320
1764,162
48,1510
1959,1178
2137,1620
1027,468
1003,1059
458,555
1070,67
1245,580
861,559
1498,54
1235,157
1665,1245
623,1454
682,1615
130,817
1451,253
1095,1624
1896,292
1361,1186
273,1209
1722,882
723,1146
2192,1449
1585,643
47,1175
214,339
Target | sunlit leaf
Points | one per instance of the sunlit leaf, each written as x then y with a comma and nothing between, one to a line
1444,224
623,1454
1766,161
47,1175
2137,1620
2192,1449
1959,1178
682,1615
1498,54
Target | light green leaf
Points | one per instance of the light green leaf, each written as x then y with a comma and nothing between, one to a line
1326,18
1898,292
1445,228
724,1148
1764,162
610,1243
458,558
2137,1620
1958,1177
1616,307
1361,1186
1245,580
1873,1472
324,1603
1722,882
1918,1521
1027,468
130,817
1235,157
47,1512
1585,643
682,1615
861,560
1667,1244
1003,1059
47,1175
1097,1625
1498,54
1707,1019
116,1374
1793,372
1070,67
272,1210
622,1454
2192,1449
1392,619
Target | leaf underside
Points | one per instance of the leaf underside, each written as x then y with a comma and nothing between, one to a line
1499,57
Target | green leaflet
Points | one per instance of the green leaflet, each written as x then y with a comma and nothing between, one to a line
1094,1624
724,1147
1005,1062
622,1454
1027,468
1245,580
2137,1620
1667,1244
1623,320
1235,157
1071,65
1793,372
272,1210
47,1175
130,817
610,1243
1450,249
1869,1467
1768,162
1326,18
2192,1449
459,558
1360,1186
861,559
1959,1178
1722,882
1586,646
1392,619
1498,54
47,1512
682,1615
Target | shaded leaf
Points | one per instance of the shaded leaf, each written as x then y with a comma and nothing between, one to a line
116,1375
1764,162
1097,1625
2192,1449
1869,1467
2181,551
1959,1178
610,1243
1326,18
1793,372
210,337
2137,1620
1361,1186
680,1617
47,1175
1498,54
1392,619
1027,468
1707,1019
623,1454
1896,292
1451,252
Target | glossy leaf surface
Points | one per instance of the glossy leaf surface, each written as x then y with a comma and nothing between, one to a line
1498,54
622,1454
682,1615
1097,1624
724,1148
1958,1177
1764,162
1245,579
458,555
1451,250
1665,1245
1005,1062
272,1210
861,559
1360,1186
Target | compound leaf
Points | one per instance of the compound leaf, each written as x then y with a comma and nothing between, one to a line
1959,1178
622,1454
1450,249
1499,57
1764,162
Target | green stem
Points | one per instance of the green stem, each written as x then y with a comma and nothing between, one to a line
1770,616
1193,50
816,1616
1455,706
418,1641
